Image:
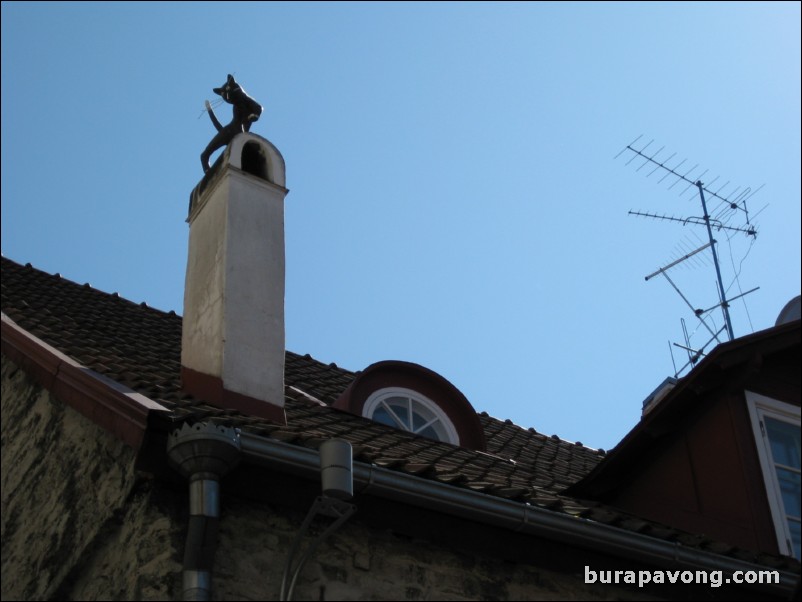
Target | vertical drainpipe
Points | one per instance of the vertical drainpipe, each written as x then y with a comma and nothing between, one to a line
202,453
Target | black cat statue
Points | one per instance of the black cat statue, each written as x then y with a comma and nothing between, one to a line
246,111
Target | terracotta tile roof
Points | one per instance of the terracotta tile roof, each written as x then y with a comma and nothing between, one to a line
139,347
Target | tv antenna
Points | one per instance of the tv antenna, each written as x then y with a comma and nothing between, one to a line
730,204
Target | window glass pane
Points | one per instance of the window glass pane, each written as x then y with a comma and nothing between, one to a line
383,416
790,488
785,442
796,538
401,408
418,419
431,434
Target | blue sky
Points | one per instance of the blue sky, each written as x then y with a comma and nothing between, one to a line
454,197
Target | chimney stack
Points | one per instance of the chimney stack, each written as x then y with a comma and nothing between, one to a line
232,347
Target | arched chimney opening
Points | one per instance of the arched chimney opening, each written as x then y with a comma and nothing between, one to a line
254,160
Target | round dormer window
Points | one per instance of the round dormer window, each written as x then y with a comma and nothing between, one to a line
410,411
415,399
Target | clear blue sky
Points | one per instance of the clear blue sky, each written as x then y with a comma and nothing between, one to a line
454,198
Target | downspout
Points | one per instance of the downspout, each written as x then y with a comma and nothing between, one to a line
202,453
515,516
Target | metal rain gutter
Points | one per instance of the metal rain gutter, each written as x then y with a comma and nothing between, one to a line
515,516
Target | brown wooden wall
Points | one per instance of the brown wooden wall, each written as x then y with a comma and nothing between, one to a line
705,476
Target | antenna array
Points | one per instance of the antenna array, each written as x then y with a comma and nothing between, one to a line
730,204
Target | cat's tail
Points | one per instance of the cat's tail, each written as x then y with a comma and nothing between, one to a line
212,116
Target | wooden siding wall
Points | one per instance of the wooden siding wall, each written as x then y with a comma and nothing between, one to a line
706,478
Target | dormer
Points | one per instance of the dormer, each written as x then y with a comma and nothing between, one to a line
412,398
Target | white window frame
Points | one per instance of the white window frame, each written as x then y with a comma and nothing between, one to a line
760,406
375,400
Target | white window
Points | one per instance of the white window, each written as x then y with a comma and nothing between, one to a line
777,433
410,411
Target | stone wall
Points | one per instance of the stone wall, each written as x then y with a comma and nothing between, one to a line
78,522
362,563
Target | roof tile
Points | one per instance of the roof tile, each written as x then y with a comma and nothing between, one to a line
140,347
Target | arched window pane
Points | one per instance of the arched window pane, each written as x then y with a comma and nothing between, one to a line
403,409
383,416
419,420
431,434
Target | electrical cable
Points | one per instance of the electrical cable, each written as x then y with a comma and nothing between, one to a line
322,505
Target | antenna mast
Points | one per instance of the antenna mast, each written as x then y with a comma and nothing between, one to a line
724,305
734,201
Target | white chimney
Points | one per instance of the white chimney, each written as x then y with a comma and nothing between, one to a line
232,347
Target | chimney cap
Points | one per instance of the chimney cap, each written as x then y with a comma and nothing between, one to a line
247,153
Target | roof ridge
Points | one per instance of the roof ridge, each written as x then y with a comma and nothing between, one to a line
530,431
58,277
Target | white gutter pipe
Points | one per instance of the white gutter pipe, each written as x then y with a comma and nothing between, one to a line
515,516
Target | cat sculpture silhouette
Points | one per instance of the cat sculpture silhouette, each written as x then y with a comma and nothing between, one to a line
246,111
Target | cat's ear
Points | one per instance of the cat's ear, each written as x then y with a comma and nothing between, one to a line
230,79
218,91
